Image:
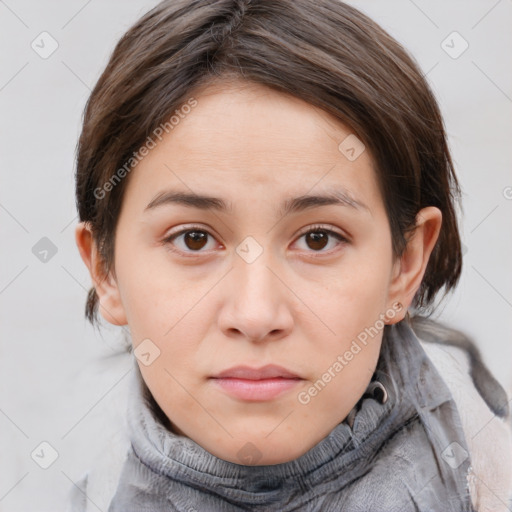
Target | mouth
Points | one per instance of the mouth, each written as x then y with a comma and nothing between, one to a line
256,384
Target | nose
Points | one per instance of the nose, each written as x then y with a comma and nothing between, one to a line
257,304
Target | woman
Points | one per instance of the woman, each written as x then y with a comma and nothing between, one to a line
265,192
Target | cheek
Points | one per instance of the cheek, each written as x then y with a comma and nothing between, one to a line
355,294
345,361
173,310
368,277
154,295
352,306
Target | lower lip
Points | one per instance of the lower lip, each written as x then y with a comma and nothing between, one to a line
256,390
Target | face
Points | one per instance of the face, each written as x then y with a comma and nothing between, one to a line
251,257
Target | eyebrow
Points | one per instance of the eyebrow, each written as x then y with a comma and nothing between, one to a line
293,205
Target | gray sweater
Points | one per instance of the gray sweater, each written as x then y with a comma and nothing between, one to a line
402,449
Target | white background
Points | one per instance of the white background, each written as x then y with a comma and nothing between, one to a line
61,381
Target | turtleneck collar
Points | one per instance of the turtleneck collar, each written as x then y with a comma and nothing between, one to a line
167,468
180,458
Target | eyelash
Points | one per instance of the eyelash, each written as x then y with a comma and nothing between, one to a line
342,240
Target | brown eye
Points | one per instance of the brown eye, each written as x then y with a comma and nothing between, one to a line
195,240
321,240
317,240
190,241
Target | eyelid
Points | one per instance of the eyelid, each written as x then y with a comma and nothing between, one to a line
329,229
188,227
324,227
184,228
343,240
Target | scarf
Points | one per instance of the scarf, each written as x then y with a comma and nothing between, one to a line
400,449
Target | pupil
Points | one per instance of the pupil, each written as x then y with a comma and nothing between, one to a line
316,240
195,239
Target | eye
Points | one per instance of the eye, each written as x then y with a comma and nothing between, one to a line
317,238
193,239
196,239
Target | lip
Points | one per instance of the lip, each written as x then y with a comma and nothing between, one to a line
256,384
270,371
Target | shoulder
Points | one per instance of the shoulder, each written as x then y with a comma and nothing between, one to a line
95,490
483,408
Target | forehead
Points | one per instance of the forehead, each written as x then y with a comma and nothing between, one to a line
247,120
248,137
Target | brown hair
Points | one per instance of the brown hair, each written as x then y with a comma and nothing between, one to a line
324,52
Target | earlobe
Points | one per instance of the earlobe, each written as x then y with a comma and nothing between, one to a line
109,297
408,272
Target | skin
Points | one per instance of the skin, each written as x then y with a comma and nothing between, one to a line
298,304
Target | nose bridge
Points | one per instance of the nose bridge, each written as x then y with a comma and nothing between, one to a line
257,304
254,282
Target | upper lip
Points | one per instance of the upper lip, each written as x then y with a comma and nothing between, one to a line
269,371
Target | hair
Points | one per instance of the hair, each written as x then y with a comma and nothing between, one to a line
326,53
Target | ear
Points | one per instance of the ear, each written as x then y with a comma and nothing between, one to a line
409,270
110,305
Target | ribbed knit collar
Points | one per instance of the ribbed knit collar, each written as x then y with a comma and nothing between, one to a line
344,455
